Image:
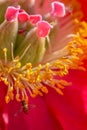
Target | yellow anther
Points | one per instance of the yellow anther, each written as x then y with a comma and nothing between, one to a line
39,67
18,97
18,65
5,50
35,91
59,91
4,80
5,54
76,21
11,96
40,93
44,89
60,86
37,79
28,66
33,95
10,89
7,99
47,66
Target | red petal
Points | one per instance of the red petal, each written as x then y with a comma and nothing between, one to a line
84,8
3,91
39,117
70,109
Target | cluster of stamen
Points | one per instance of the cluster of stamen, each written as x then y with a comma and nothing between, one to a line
21,80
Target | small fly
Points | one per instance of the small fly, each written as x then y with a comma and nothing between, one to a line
26,108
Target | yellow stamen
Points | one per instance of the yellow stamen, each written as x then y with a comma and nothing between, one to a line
36,80
7,99
5,54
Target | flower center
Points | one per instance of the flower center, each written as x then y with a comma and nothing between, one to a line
43,53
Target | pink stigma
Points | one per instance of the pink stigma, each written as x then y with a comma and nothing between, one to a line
11,13
58,9
35,19
43,28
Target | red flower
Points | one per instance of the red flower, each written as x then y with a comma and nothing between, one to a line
53,111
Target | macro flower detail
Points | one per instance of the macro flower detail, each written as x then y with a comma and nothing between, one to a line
12,13
31,61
